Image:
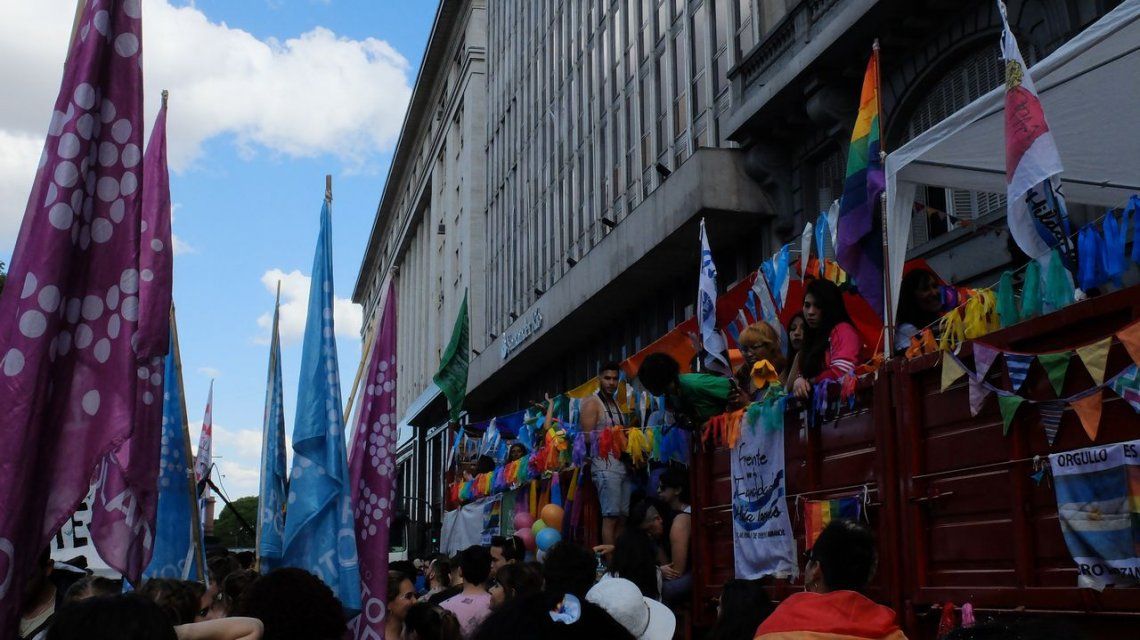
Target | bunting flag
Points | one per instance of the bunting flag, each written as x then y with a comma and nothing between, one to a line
1056,366
716,349
819,513
1130,338
1095,358
775,271
805,248
1017,364
984,356
203,461
1038,219
274,485
178,552
860,247
978,394
822,237
1009,406
769,311
319,529
1050,413
951,370
69,312
1126,384
451,377
1088,410
372,471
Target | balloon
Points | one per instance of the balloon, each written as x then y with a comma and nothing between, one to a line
547,538
527,538
523,520
552,516
538,525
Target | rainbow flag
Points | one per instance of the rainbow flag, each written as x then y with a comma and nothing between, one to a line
859,247
818,513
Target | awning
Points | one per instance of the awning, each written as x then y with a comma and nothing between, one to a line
419,413
1089,89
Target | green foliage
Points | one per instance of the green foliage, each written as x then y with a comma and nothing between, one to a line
228,527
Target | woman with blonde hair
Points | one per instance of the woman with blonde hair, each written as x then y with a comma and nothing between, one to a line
758,342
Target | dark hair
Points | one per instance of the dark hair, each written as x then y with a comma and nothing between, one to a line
830,302
610,365
178,603
744,604
406,567
475,563
485,464
640,512
657,372
909,310
293,604
512,546
92,586
519,579
845,551
120,617
635,559
245,559
676,478
395,579
569,568
220,567
528,618
234,585
430,622
520,445
799,315
442,569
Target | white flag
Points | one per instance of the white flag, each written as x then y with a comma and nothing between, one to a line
716,347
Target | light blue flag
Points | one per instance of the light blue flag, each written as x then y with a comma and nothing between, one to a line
274,481
177,532
319,530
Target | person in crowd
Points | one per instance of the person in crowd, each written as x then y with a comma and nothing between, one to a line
550,616
744,604
401,597
692,397
293,604
569,568
505,551
473,603
644,618
758,342
516,452
430,622
135,617
839,567
920,305
673,489
219,566
634,558
599,412
797,327
454,582
245,559
179,602
43,594
438,577
831,344
232,588
512,581
92,587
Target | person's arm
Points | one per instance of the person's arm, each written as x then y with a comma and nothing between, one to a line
221,629
679,537
843,353
589,412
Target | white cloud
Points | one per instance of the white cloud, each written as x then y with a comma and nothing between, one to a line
210,372
181,247
347,316
237,453
304,96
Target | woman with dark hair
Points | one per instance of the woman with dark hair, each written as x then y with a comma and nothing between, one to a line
513,581
797,327
293,604
920,305
831,344
634,558
430,622
517,451
744,604
136,617
401,597
673,489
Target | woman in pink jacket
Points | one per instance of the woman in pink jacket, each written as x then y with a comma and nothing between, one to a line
832,346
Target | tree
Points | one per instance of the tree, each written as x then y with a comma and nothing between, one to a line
229,528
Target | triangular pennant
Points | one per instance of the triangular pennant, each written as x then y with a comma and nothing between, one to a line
1017,364
1008,406
1130,338
951,370
1050,413
1088,410
978,394
1127,385
1095,357
984,356
1056,366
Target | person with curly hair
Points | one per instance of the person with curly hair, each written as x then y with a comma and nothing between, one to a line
293,604
178,600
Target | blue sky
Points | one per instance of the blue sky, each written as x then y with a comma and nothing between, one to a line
267,96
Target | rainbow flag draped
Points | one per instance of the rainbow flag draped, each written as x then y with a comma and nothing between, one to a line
859,249
818,513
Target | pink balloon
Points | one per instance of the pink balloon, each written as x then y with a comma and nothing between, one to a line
523,520
527,537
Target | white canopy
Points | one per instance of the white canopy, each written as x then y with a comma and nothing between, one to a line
1090,91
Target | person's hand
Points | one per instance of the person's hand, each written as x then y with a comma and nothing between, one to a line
604,549
669,573
801,388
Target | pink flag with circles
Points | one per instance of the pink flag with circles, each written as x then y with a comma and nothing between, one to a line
69,314
372,466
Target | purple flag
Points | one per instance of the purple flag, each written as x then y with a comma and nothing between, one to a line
68,373
126,498
372,468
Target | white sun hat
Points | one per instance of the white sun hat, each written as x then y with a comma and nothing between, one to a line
645,618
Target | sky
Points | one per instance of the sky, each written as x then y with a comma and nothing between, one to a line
266,97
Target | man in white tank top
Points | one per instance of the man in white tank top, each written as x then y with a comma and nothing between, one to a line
601,411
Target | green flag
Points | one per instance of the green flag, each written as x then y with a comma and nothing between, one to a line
1056,365
452,375
1009,406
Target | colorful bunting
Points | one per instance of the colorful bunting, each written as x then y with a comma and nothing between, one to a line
1050,413
1130,338
951,370
978,394
1127,385
1088,410
1056,366
1006,305
1009,406
1095,358
1017,364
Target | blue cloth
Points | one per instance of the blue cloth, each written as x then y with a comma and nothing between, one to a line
320,536
173,555
274,487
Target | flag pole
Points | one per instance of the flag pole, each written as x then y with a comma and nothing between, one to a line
191,480
889,315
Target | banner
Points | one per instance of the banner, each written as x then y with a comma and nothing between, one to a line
762,537
1098,505
463,527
